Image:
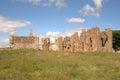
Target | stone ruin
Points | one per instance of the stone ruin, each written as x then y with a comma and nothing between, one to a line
45,43
18,42
89,40
59,43
94,40
75,43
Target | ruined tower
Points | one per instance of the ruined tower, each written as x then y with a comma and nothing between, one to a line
31,32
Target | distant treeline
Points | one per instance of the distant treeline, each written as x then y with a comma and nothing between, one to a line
116,39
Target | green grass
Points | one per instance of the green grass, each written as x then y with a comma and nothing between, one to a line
29,64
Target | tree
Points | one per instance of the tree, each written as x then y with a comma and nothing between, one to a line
116,39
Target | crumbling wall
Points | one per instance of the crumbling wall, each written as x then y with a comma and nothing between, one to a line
45,43
18,42
59,43
89,40
109,40
67,44
75,42
94,40
82,40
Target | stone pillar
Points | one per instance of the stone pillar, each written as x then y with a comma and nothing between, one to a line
31,33
75,44
72,43
109,41
82,40
66,44
59,43
45,43
96,39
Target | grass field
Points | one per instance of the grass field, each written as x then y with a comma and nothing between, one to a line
29,64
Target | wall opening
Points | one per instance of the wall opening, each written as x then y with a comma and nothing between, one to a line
82,45
90,42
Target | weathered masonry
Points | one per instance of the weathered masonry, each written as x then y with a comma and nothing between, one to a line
89,40
94,40
18,42
46,43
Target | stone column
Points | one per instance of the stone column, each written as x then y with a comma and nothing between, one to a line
109,41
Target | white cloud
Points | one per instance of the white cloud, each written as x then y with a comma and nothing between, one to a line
50,34
45,3
75,20
4,42
8,25
98,3
109,25
87,10
90,10
55,35
116,26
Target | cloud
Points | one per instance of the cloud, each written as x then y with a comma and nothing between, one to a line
70,32
87,10
90,10
75,20
4,42
50,34
8,25
44,3
109,25
116,26
55,35
98,3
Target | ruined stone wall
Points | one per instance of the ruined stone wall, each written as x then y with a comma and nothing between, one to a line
82,40
89,40
75,42
59,43
94,40
109,40
18,42
67,44
45,43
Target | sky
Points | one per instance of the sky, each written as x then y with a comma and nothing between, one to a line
52,18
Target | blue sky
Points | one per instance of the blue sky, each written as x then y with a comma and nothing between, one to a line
55,17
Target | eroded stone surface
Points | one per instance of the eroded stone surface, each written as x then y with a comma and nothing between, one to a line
45,43
89,40
18,42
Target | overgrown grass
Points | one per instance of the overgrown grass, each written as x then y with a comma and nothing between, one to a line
29,64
